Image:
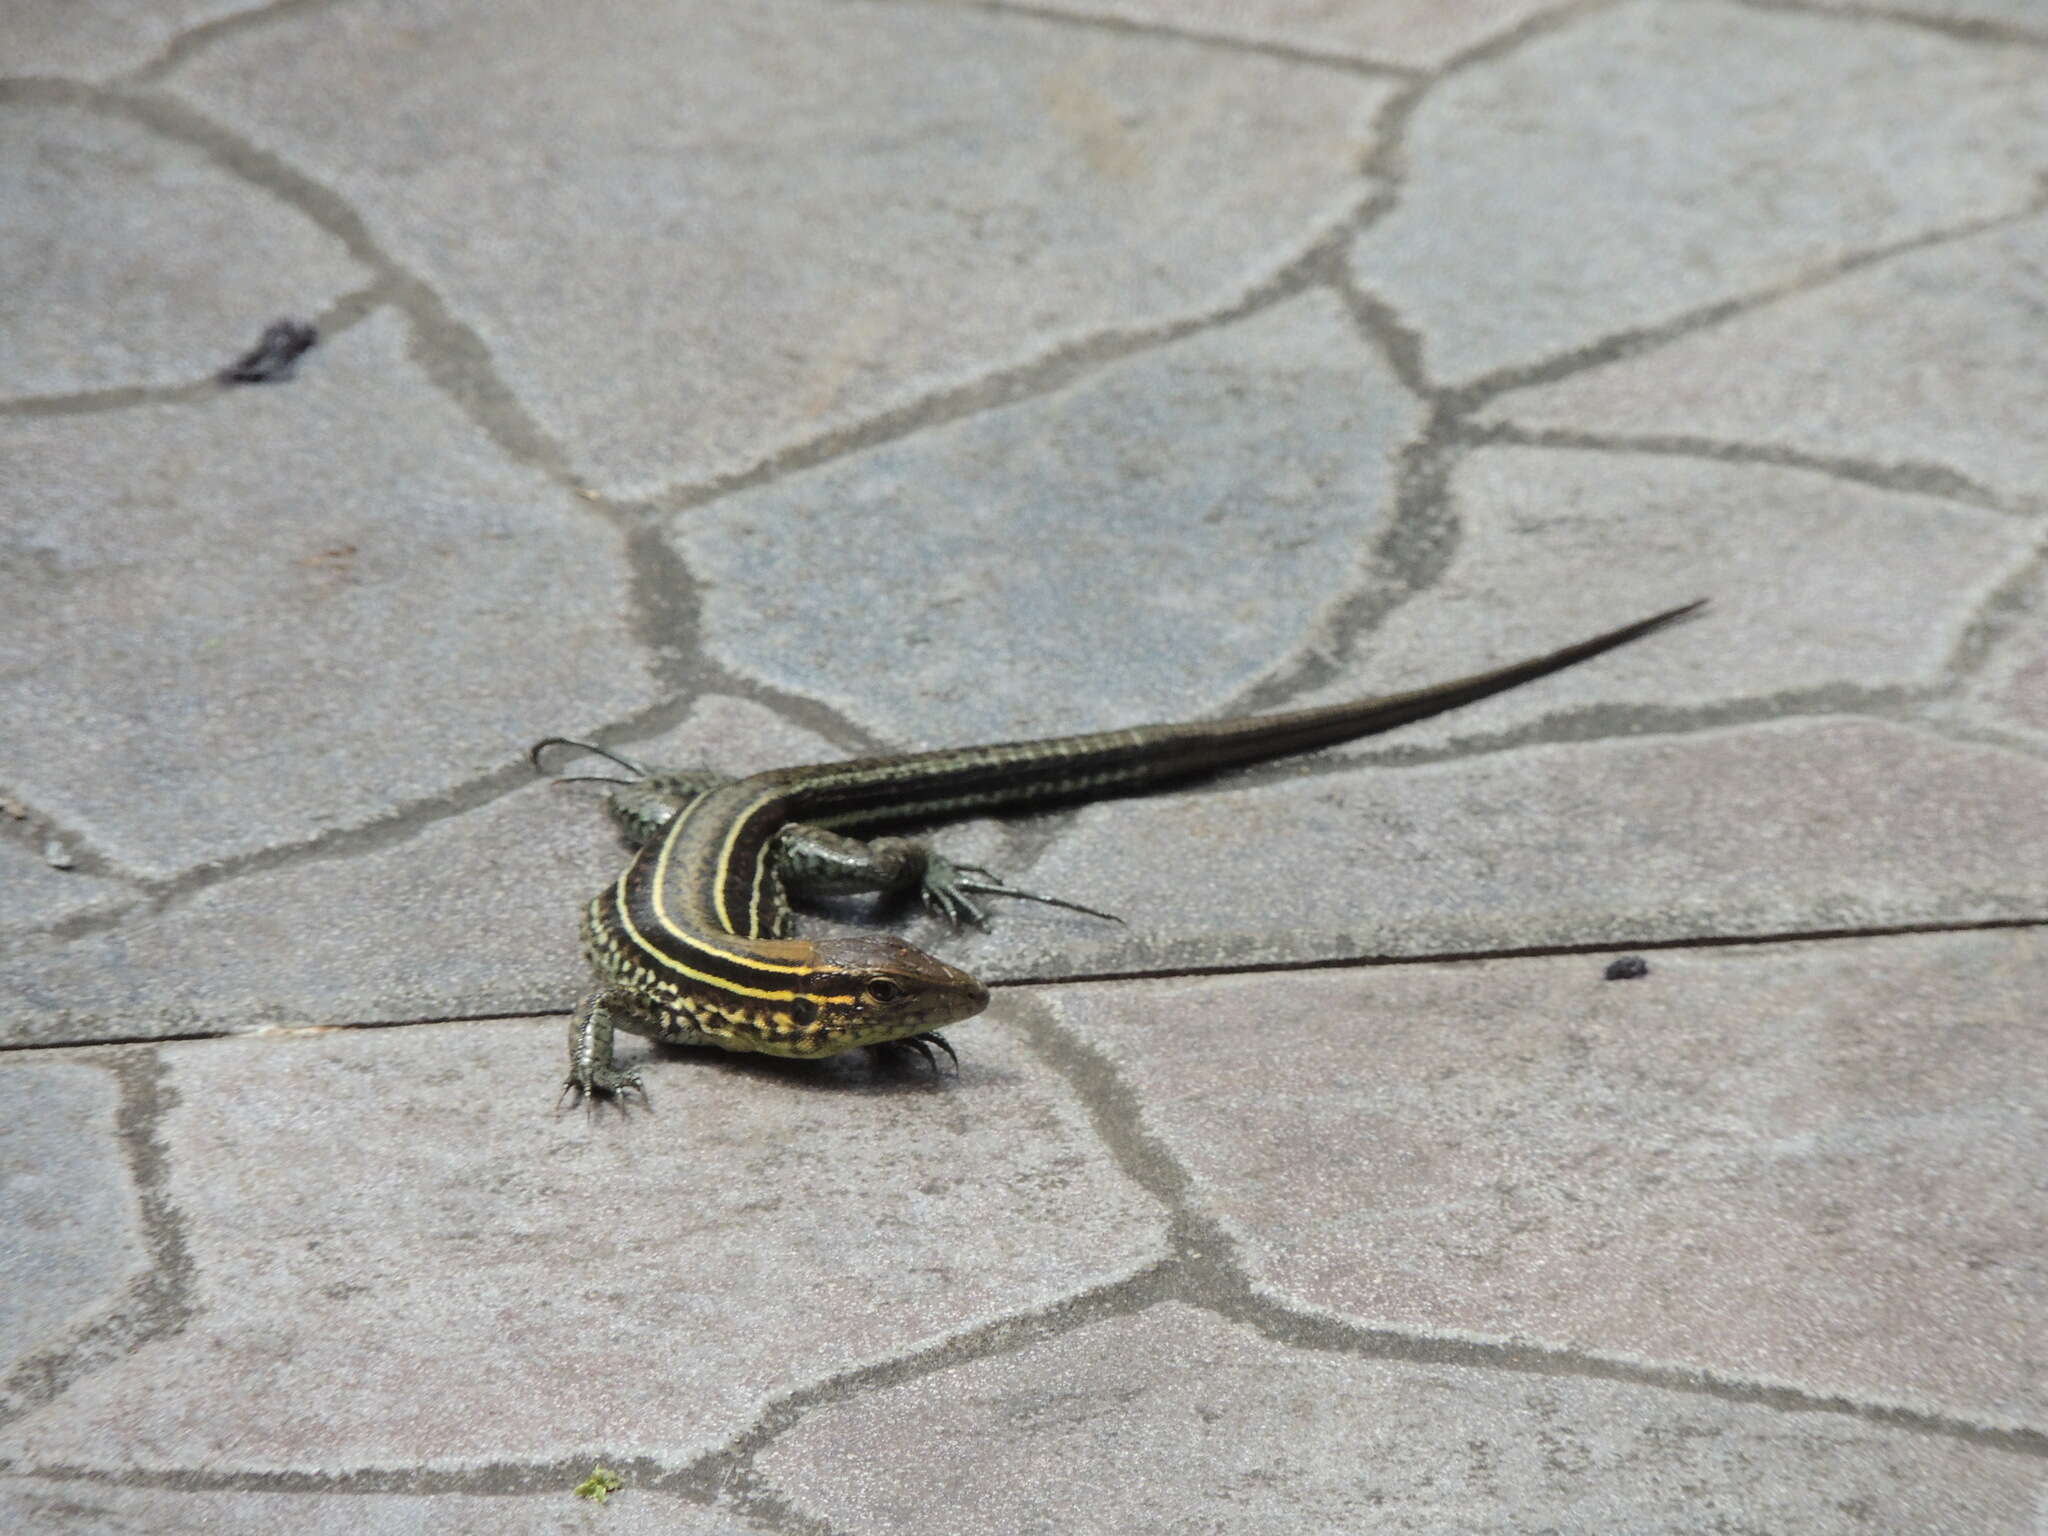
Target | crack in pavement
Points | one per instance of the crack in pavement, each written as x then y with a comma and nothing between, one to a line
1904,476
1203,1268
1125,26
152,1305
1059,366
1967,29
1164,972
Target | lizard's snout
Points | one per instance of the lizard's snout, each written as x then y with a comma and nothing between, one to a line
897,987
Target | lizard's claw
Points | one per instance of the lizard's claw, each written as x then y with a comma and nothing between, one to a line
922,1044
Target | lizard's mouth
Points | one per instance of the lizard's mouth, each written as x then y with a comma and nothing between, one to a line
979,997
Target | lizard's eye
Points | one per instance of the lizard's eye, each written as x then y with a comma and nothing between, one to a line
881,989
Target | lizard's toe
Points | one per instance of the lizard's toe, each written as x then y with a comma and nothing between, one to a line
600,1082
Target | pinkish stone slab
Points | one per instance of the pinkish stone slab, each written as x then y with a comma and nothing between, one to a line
284,610
1811,1166
1928,360
1418,34
1173,1420
474,915
1070,562
403,1255
135,261
2010,688
92,39
2022,696
88,1505
1787,827
2020,19
70,1231
2027,694
34,895
680,275
1649,160
1816,585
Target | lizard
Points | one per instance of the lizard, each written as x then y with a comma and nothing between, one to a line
692,944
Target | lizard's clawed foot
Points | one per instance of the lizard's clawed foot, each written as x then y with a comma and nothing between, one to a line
991,884
594,1082
922,1044
945,896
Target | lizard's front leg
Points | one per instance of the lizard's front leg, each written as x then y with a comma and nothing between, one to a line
591,1072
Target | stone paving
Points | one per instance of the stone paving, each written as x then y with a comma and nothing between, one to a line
754,384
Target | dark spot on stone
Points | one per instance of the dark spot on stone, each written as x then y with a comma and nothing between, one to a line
271,360
1628,968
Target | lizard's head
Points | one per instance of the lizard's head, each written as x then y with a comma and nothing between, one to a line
874,987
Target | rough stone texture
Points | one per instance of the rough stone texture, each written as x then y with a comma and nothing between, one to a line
67,1211
1417,34
1817,1166
132,260
938,372
719,735
1928,359
2023,17
293,609
103,1509
1174,1420
475,915
1719,833
1817,587
639,1283
2026,695
680,276
1600,180
32,894
95,39
972,583
2015,691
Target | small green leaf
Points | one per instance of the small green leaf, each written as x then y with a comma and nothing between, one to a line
602,1483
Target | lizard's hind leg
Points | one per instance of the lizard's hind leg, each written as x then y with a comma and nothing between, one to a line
642,806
